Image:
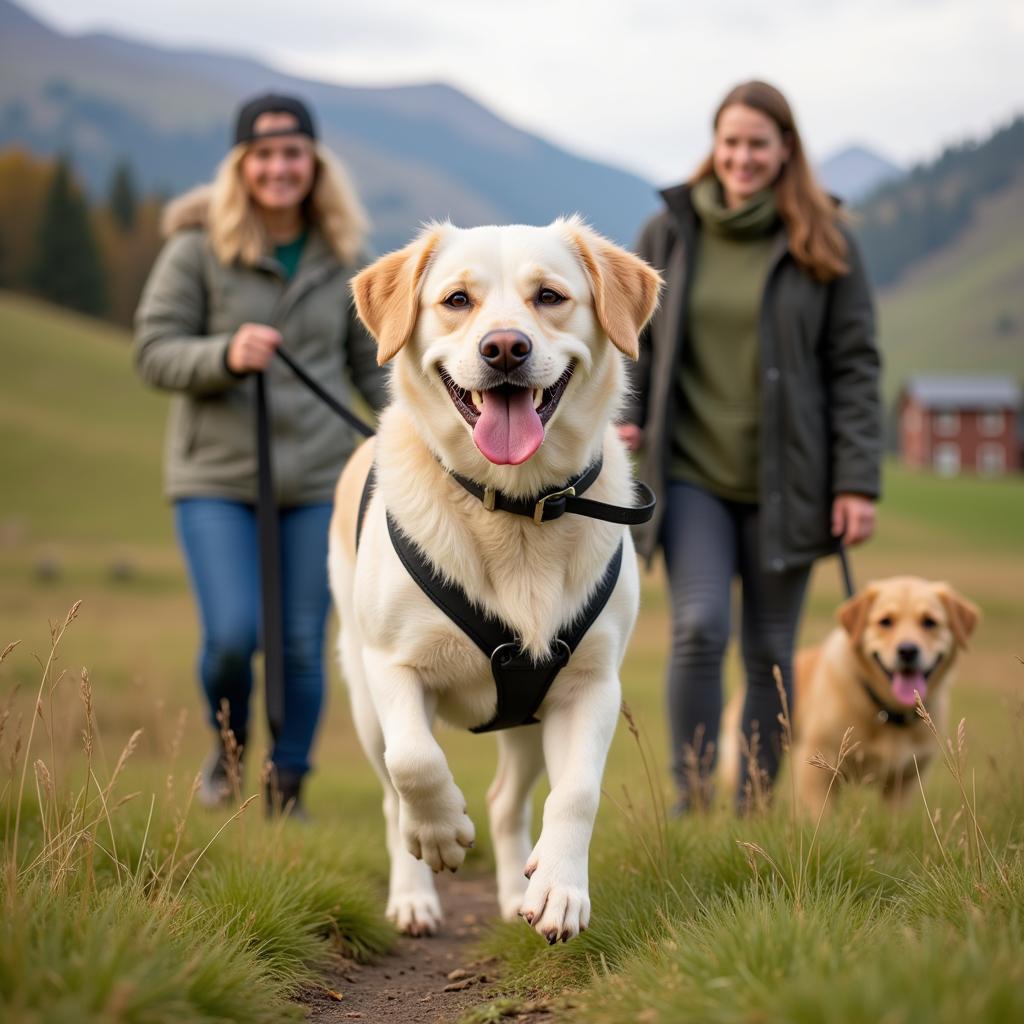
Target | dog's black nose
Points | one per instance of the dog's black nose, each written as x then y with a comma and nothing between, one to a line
908,653
505,350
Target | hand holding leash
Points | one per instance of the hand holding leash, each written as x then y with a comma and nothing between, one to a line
853,518
252,348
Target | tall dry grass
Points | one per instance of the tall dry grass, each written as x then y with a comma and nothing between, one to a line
861,914
125,906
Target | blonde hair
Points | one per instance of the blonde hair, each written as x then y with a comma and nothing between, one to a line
237,233
811,218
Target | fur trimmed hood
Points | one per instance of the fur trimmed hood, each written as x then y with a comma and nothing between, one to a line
190,210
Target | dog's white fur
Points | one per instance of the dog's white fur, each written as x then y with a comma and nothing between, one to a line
404,660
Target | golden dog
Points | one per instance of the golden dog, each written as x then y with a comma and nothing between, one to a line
897,638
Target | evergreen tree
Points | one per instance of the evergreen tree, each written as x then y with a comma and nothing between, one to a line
123,200
68,269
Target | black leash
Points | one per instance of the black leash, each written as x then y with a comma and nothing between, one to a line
844,568
272,610
329,400
270,566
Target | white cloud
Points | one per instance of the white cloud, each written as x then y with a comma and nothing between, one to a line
636,83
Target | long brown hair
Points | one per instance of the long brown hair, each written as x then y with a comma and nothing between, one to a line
809,215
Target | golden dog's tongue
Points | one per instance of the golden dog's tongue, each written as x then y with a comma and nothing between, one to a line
509,430
905,683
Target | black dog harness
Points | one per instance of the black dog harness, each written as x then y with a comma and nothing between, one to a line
521,683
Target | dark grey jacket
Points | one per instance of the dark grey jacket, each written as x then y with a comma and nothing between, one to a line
821,429
191,307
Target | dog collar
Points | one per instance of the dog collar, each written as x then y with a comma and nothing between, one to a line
885,714
555,504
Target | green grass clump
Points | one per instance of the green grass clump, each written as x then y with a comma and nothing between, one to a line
114,955
865,915
285,902
120,909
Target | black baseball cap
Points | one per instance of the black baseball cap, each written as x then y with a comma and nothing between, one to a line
272,103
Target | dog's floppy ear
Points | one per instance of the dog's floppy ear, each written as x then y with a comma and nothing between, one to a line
387,292
964,615
625,288
852,614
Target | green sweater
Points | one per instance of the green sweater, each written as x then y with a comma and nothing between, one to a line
715,431
289,254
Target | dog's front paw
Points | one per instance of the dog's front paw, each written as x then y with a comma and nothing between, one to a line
415,913
557,903
438,831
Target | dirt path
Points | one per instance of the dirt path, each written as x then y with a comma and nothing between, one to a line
422,981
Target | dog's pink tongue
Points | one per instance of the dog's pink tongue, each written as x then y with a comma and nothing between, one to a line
509,430
905,683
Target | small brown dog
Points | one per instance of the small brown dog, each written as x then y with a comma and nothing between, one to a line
897,638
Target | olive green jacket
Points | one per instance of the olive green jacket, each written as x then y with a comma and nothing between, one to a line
190,309
820,412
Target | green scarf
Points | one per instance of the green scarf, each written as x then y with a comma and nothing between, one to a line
757,217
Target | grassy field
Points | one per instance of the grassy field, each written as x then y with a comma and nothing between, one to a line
873,918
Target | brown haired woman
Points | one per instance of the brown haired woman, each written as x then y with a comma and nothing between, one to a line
260,258
755,414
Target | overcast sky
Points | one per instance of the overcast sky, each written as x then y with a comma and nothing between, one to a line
635,82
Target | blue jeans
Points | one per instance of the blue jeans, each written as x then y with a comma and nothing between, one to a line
221,545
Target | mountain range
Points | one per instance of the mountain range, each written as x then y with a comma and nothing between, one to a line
855,172
417,152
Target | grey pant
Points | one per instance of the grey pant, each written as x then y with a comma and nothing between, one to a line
707,541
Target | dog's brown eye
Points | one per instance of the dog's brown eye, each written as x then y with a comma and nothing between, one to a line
457,300
928,622
549,297
885,622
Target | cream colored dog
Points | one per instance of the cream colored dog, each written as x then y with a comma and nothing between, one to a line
523,419
897,638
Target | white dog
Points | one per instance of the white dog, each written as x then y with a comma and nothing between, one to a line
507,374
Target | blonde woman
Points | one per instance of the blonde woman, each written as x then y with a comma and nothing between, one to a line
259,259
756,416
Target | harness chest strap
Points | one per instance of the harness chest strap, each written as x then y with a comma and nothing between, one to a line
521,683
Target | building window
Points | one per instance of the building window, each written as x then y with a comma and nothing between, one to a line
946,459
990,424
946,424
991,459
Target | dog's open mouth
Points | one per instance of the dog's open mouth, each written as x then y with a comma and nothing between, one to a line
905,682
507,420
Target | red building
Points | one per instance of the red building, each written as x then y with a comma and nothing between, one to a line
961,423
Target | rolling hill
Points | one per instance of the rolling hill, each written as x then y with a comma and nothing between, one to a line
80,437
962,309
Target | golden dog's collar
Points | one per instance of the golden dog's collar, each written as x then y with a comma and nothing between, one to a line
885,714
